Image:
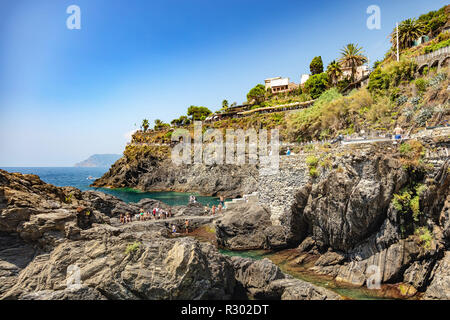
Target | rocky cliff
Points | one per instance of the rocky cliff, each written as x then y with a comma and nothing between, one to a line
61,243
149,173
379,207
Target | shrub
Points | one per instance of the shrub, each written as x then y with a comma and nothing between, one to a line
133,247
316,65
415,100
437,79
312,161
425,237
316,84
437,46
402,100
392,74
421,85
313,172
423,116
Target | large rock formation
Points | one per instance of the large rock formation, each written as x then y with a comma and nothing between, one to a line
263,279
151,174
373,208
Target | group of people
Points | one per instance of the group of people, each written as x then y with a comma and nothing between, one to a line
216,209
157,213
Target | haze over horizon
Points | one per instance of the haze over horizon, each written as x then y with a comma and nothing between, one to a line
68,94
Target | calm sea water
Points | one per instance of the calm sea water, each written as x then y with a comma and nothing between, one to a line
78,177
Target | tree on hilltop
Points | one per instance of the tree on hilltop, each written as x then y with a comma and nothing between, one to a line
316,65
198,113
258,93
145,125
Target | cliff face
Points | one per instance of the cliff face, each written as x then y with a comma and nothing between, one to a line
376,205
148,173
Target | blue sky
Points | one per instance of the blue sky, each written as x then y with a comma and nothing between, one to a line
66,94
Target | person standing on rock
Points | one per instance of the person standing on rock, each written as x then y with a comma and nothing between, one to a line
222,201
398,131
174,229
154,213
220,208
288,152
186,225
213,209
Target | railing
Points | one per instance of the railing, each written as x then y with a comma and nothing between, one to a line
433,54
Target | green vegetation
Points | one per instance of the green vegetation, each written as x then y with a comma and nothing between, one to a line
433,21
68,199
145,125
198,113
352,57
412,153
133,247
425,237
392,74
258,94
407,203
316,85
334,71
181,121
316,65
421,85
408,31
160,125
312,162
437,46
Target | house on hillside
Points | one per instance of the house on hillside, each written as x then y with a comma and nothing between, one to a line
361,72
420,40
279,85
303,79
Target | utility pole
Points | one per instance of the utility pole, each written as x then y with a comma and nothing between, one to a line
398,53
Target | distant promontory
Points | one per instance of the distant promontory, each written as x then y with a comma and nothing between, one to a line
99,160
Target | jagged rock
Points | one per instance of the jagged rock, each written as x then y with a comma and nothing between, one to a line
439,287
152,174
156,268
243,228
347,206
263,279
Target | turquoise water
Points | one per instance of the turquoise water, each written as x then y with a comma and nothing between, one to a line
78,177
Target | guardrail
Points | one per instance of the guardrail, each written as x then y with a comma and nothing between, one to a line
433,54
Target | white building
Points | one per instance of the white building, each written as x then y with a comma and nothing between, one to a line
304,78
279,84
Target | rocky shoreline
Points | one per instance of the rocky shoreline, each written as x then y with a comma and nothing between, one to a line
46,231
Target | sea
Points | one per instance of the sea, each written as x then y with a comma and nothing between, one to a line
79,177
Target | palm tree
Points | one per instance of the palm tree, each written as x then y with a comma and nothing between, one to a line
352,57
334,71
408,31
145,125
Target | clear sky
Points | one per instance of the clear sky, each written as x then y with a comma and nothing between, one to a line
66,94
